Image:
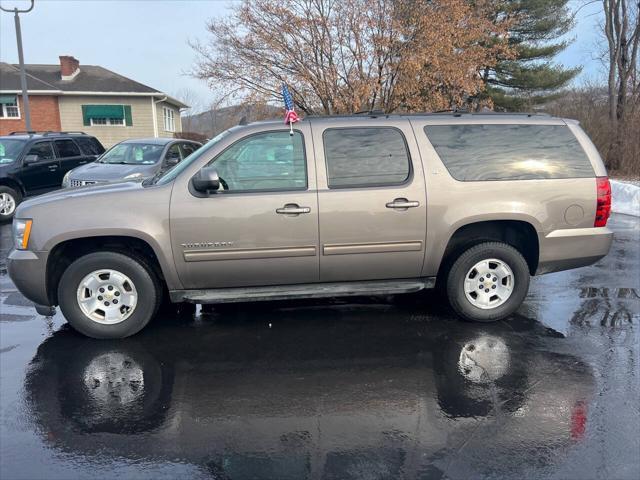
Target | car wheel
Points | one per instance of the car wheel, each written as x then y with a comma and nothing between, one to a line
109,294
488,282
9,200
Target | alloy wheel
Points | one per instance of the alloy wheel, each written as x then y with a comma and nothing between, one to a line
489,283
107,296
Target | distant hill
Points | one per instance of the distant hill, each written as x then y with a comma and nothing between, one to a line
212,122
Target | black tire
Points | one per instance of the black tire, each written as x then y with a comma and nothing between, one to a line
17,198
456,277
140,273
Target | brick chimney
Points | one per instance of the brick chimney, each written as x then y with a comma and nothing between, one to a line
69,67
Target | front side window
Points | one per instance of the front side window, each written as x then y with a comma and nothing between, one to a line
265,161
188,149
67,148
173,153
44,151
365,157
169,119
9,106
133,154
509,152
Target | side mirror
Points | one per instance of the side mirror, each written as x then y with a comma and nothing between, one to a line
30,159
206,180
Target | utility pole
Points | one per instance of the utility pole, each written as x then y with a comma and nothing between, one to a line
23,74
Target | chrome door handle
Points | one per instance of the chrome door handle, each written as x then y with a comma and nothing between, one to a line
53,167
292,209
402,203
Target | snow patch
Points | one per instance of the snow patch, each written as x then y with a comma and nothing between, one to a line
626,198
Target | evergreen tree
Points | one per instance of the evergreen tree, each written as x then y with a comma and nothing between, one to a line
531,77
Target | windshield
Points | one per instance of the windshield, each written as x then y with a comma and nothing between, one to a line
10,149
174,172
133,154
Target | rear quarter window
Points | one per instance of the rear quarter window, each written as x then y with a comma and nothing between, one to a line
89,145
509,152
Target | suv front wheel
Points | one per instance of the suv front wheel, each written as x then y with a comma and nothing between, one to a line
488,282
109,294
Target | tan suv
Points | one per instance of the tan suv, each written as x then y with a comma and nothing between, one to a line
350,205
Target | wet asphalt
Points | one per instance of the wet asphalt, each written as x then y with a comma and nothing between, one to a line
365,388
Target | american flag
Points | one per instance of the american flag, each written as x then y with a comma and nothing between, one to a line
291,116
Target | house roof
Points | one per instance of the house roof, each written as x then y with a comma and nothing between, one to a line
91,79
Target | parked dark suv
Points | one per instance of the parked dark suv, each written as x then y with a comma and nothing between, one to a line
36,162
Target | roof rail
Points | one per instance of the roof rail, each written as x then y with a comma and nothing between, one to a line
24,132
49,132
44,132
453,113
372,113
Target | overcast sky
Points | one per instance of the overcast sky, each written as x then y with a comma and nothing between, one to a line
146,40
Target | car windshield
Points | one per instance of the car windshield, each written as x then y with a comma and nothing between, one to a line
10,149
174,172
133,154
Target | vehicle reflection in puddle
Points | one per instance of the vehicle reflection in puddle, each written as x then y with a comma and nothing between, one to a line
346,393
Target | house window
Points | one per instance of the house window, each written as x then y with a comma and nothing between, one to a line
169,119
98,121
9,106
107,115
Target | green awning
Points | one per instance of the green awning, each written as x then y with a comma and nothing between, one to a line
103,111
7,99
106,111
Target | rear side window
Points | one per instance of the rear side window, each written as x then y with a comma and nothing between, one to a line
365,157
89,146
43,150
188,149
509,152
66,148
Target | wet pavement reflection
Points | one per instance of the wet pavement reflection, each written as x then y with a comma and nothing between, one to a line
341,389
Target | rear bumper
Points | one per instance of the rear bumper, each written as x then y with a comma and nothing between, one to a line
28,271
572,248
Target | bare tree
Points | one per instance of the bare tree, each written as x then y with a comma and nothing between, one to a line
622,31
341,56
189,97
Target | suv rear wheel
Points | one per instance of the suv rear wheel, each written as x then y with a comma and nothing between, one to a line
9,200
109,294
488,282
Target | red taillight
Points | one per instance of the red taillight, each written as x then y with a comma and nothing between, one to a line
603,207
578,420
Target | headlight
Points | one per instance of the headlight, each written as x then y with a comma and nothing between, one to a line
65,179
21,232
133,175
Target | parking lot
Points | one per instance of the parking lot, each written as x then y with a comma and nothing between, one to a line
391,387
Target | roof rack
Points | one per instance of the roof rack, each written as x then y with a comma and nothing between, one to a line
71,132
453,113
372,113
45,132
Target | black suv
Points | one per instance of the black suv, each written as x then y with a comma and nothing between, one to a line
36,162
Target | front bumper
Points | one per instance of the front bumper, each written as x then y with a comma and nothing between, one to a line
572,248
28,271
